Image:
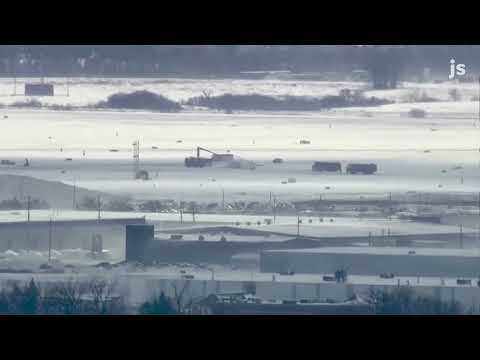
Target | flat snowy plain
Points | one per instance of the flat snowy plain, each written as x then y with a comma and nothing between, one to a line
412,154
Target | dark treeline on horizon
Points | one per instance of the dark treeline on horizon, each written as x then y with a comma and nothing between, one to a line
212,60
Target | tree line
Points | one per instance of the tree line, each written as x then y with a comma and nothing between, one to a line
100,297
137,60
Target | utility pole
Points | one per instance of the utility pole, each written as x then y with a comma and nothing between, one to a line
478,203
223,200
478,235
50,240
28,208
136,158
274,209
298,226
193,213
461,236
181,216
28,221
99,207
478,101
391,206
15,78
74,201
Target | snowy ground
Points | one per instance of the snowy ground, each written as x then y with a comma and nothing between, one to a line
86,91
437,154
330,226
411,153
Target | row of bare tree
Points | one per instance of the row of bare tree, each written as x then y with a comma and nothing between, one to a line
94,296
73,297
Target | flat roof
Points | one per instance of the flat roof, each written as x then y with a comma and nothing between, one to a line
228,275
384,250
173,273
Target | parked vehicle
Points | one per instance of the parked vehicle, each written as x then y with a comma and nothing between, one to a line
366,169
327,166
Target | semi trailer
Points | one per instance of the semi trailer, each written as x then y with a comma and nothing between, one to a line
366,169
321,166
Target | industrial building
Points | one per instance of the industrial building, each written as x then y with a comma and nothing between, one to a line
142,246
375,261
200,283
246,304
223,244
64,234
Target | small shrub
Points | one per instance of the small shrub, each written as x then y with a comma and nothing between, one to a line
89,203
454,95
417,113
249,102
31,103
404,301
144,100
120,204
159,305
417,96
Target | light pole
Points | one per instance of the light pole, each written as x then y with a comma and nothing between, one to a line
298,225
99,207
28,208
223,200
74,200
274,209
50,224
28,220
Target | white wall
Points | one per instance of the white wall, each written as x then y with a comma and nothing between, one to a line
467,296
371,264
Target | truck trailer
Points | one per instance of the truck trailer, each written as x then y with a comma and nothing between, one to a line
320,166
367,169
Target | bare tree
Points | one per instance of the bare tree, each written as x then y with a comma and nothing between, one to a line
207,93
65,298
183,305
103,293
454,95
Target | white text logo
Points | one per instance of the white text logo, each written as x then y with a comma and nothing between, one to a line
456,69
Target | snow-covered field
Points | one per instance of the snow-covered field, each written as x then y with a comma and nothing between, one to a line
411,153
439,153
329,226
87,91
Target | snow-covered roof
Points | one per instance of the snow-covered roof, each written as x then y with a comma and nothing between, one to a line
384,250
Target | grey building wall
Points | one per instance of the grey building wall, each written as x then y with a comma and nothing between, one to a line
64,234
370,264
142,289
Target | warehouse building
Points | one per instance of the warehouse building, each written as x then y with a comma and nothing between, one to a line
374,261
64,234
200,283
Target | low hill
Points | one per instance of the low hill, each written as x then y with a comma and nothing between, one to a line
55,193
